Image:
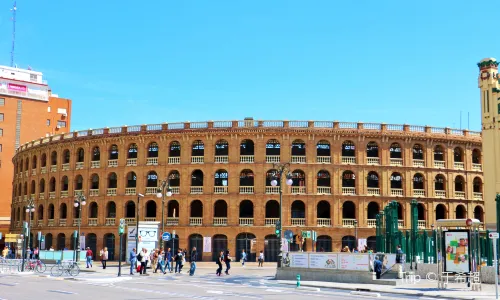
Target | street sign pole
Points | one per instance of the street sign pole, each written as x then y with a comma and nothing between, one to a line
494,237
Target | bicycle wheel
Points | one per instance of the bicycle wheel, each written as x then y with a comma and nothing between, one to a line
74,270
41,267
28,266
56,270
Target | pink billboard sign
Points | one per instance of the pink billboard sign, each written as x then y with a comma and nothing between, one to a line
17,87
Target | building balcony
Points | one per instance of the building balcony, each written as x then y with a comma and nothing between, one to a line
220,221
41,196
458,165
52,195
94,192
371,223
175,190
196,190
195,221
95,164
130,191
373,191
32,196
53,168
64,194
128,221
324,190
172,221
131,162
150,219
271,159
418,193
77,222
348,191
221,159
174,160
62,222
271,221
65,167
325,222
373,161
112,221
421,224
152,161
51,222
477,167
272,189
298,189
348,223
77,192
33,172
246,221
440,194
43,170
298,221
397,192
151,190
349,160
197,159
79,165
40,223
25,198
18,223
298,159
92,221
396,162
111,192
459,195
220,189
323,159
112,163
478,196
246,189
419,163
439,164
247,159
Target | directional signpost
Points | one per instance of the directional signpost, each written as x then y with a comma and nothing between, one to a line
166,236
121,231
494,237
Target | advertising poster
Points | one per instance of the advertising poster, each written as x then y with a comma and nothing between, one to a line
296,260
207,244
388,260
323,261
354,262
457,259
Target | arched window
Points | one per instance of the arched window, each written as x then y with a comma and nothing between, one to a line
66,156
80,155
372,150
418,152
79,183
396,181
323,148
247,147
246,209
298,210
63,211
173,209
478,213
34,162
130,209
113,152
174,178
439,182
44,160
477,185
298,148
51,212
94,182
111,210
25,188
96,154
197,178
395,151
113,181
21,165
270,175
152,179
221,148
323,212
196,209
348,149
476,157
373,209
175,149
132,151
460,212
246,178
131,180
459,184
32,187
372,180
53,158
418,182
198,148
153,150
272,209
40,212
42,186
273,147
438,153
298,178
93,210
220,209
52,185
221,178
421,211
151,209
458,155
323,178
348,179
348,210
440,212
27,164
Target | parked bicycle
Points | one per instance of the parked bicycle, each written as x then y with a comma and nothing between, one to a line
33,265
69,267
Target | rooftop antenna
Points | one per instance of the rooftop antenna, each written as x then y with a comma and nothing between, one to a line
13,10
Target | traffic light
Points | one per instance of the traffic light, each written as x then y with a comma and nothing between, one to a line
121,227
278,229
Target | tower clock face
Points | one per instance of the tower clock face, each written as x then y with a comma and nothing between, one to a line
485,75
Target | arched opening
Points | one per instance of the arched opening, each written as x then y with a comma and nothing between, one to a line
131,180
64,183
113,152
372,210
61,241
272,209
151,209
130,209
395,151
324,243
43,161
66,157
476,156
109,242
348,210
40,212
196,209
51,211
349,241
372,150
438,153
323,212
400,211
440,212
113,181
48,241
460,212
174,178
247,147
32,187
298,148
323,148
439,182
478,213
246,209
372,180
243,242
323,179
173,209
196,240
418,152
153,150
96,154
94,182
221,178
271,248
80,155
459,184
93,210
298,178
34,162
418,181
246,178
477,185
91,242
348,179
458,154
220,209
219,244
174,149
396,181
63,211
421,212
298,210
132,151
152,179
221,148
371,243
198,148
111,210
53,159
79,183
270,175
197,178
348,149
273,148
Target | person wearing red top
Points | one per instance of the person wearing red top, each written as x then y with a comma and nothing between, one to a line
89,255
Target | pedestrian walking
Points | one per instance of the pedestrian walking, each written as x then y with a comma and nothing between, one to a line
5,252
133,261
89,256
243,257
377,266
104,257
194,257
168,260
227,260
154,260
261,259
178,261
220,260
183,260
143,258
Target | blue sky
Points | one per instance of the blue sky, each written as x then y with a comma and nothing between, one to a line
136,62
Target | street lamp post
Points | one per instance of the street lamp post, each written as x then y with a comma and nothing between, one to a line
80,200
29,209
280,169
139,196
356,235
163,190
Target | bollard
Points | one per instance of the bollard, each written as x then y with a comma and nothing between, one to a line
298,280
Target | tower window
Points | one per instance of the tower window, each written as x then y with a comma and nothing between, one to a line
1,117
2,101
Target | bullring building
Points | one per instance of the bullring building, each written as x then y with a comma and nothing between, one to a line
220,172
